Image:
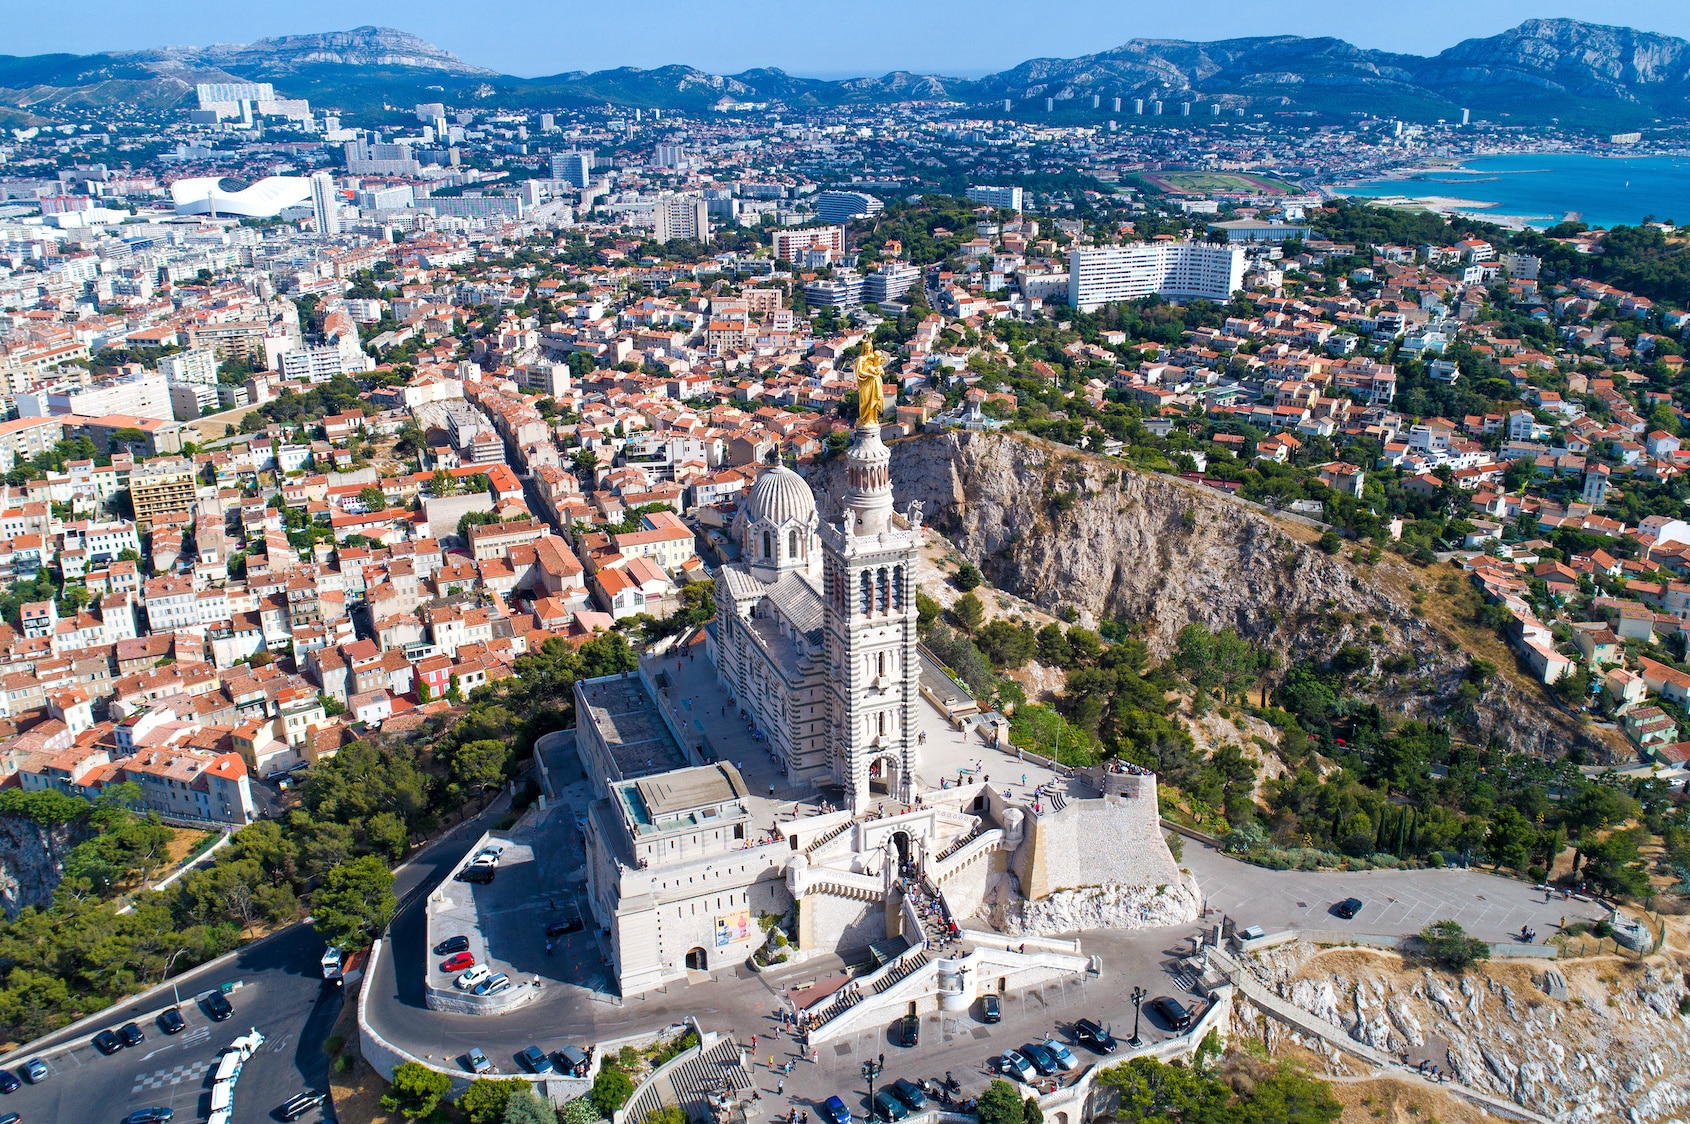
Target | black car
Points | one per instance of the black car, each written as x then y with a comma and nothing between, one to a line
910,1093
909,1030
1095,1038
1043,1060
1348,908
217,1006
990,1010
560,928
451,945
130,1035
300,1105
1173,1012
156,1115
170,1021
106,1042
481,874
9,1082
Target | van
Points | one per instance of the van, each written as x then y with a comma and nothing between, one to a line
479,872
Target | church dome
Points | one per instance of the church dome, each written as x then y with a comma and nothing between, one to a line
780,496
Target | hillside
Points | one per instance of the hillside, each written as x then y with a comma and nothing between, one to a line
1601,76
1063,529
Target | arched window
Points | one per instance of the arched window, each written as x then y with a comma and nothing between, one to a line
898,587
880,663
792,542
882,721
768,551
867,593
884,589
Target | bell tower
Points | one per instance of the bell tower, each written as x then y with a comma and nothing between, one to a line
874,668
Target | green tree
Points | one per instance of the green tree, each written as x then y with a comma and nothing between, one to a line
354,901
416,1090
1447,945
1331,542
1032,1113
968,612
668,1114
927,611
481,764
372,497
527,1107
967,577
485,1099
443,483
611,1090
1001,1104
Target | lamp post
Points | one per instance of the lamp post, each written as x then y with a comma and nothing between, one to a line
871,1070
1138,997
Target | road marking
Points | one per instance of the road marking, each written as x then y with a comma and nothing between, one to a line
154,1053
175,1075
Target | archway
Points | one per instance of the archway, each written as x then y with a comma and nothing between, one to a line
697,960
901,840
883,776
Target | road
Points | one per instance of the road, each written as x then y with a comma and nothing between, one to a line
280,991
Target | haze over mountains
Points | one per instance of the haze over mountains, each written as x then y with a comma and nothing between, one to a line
1539,70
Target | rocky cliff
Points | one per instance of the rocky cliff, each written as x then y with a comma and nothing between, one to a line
32,861
1064,529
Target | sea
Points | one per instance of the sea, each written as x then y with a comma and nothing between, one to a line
1543,189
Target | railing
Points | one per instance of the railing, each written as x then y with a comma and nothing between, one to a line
828,836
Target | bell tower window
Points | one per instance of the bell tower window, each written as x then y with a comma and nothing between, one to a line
768,551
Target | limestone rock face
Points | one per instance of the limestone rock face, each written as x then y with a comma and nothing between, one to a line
31,862
1109,906
1063,529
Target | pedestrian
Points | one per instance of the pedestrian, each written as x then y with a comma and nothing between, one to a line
1023,780
771,1063
771,790
753,1044
780,1086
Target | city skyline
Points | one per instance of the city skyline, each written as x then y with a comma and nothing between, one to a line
884,37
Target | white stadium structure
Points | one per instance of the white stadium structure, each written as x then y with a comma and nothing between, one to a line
265,199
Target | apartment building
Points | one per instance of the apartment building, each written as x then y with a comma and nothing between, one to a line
158,486
1100,275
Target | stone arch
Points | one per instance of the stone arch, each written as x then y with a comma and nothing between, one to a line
697,959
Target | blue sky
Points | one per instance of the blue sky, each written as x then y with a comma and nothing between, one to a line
966,38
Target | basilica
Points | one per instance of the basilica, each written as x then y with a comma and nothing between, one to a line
802,778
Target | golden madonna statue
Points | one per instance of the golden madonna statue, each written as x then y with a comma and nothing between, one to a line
871,376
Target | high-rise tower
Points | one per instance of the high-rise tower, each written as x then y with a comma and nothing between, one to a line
869,593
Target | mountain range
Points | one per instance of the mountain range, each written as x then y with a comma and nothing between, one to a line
1580,73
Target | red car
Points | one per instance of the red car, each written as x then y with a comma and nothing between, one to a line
459,962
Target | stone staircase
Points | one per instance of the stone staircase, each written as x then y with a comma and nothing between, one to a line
690,1082
899,970
828,836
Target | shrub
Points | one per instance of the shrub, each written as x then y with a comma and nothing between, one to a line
967,577
416,1090
1447,945
611,1090
1001,1104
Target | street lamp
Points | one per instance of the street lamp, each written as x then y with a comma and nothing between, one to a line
1138,997
871,1070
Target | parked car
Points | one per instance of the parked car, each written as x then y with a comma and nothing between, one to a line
1095,1038
157,1114
474,976
218,1007
560,928
12,1118
478,1062
1348,908
536,1060
35,1071
570,1061
451,945
9,1082
909,1030
106,1042
835,1112
489,853
991,1010
1043,1060
1014,1065
1173,1012
910,1093
889,1108
457,962
130,1034
493,984
1065,1059
170,1021
300,1104
477,873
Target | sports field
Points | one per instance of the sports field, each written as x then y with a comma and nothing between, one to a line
1207,183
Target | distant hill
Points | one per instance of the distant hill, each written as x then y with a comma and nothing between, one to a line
1582,73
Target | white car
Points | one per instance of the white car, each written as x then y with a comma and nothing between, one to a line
474,976
1064,1057
1012,1064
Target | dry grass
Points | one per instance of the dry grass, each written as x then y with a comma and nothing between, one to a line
356,1094
1391,1100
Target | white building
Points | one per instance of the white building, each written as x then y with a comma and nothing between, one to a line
1003,198
325,203
1099,275
682,216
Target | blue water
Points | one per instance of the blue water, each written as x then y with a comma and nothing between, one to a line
1604,190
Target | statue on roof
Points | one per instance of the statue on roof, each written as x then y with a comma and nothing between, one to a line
871,377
